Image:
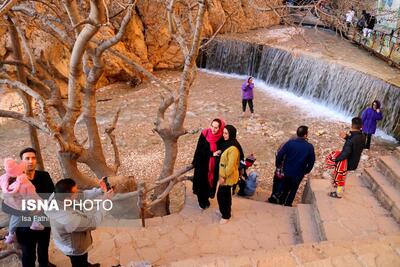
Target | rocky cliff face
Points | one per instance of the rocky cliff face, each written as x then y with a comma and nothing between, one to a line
147,39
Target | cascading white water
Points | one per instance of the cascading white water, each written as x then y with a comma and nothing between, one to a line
343,88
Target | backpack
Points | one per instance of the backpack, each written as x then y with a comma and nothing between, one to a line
251,183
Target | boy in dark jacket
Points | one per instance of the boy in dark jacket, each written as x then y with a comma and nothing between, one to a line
351,151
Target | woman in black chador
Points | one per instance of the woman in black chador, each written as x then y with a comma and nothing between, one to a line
206,161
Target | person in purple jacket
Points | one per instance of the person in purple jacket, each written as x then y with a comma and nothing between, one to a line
247,95
370,117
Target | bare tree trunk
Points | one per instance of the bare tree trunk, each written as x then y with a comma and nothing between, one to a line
70,169
170,153
27,100
35,139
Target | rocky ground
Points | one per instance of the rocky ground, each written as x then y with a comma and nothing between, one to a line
211,96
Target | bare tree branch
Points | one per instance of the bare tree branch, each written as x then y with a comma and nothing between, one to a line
24,42
110,132
139,68
188,72
39,97
164,105
15,63
173,23
6,6
47,25
75,68
217,31
73,13
116,38
22,117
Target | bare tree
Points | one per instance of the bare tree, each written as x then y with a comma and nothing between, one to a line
80,35
76,30
15,35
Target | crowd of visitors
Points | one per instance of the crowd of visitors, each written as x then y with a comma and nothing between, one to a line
219,166
294,159
365,23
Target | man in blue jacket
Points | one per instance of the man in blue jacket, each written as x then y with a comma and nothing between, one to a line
298,158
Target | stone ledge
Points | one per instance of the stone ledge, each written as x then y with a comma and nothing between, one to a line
390,167
306,225
368,251
386,194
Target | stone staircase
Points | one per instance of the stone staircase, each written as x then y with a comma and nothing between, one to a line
192,233
350,253
384,181
369,208
360,229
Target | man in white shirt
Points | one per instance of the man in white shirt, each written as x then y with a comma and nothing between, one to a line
349,17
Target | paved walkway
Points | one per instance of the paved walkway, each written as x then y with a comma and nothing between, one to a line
193,233
366,252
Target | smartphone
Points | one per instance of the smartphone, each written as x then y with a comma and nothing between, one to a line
108,186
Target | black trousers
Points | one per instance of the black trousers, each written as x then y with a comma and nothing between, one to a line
277,188
79,261
224,198
203,199
31,242
368,140
244,102
289,190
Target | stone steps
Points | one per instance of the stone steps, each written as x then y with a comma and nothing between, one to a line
389,166
348,253
306,225
193,233
384,191
356,215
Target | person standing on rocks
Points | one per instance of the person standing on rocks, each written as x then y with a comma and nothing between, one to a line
247,95
232,152
297,158
205,162
351,151
370,118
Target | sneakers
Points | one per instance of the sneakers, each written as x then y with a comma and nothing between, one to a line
37,226
10,238
223,221
334,195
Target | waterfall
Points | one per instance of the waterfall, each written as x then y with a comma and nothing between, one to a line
334,85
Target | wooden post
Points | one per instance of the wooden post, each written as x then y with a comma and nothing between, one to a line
391,45
142,201
382,43
373,39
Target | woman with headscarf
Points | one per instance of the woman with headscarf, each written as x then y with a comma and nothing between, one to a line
205,162
370,118
228,171
247,95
